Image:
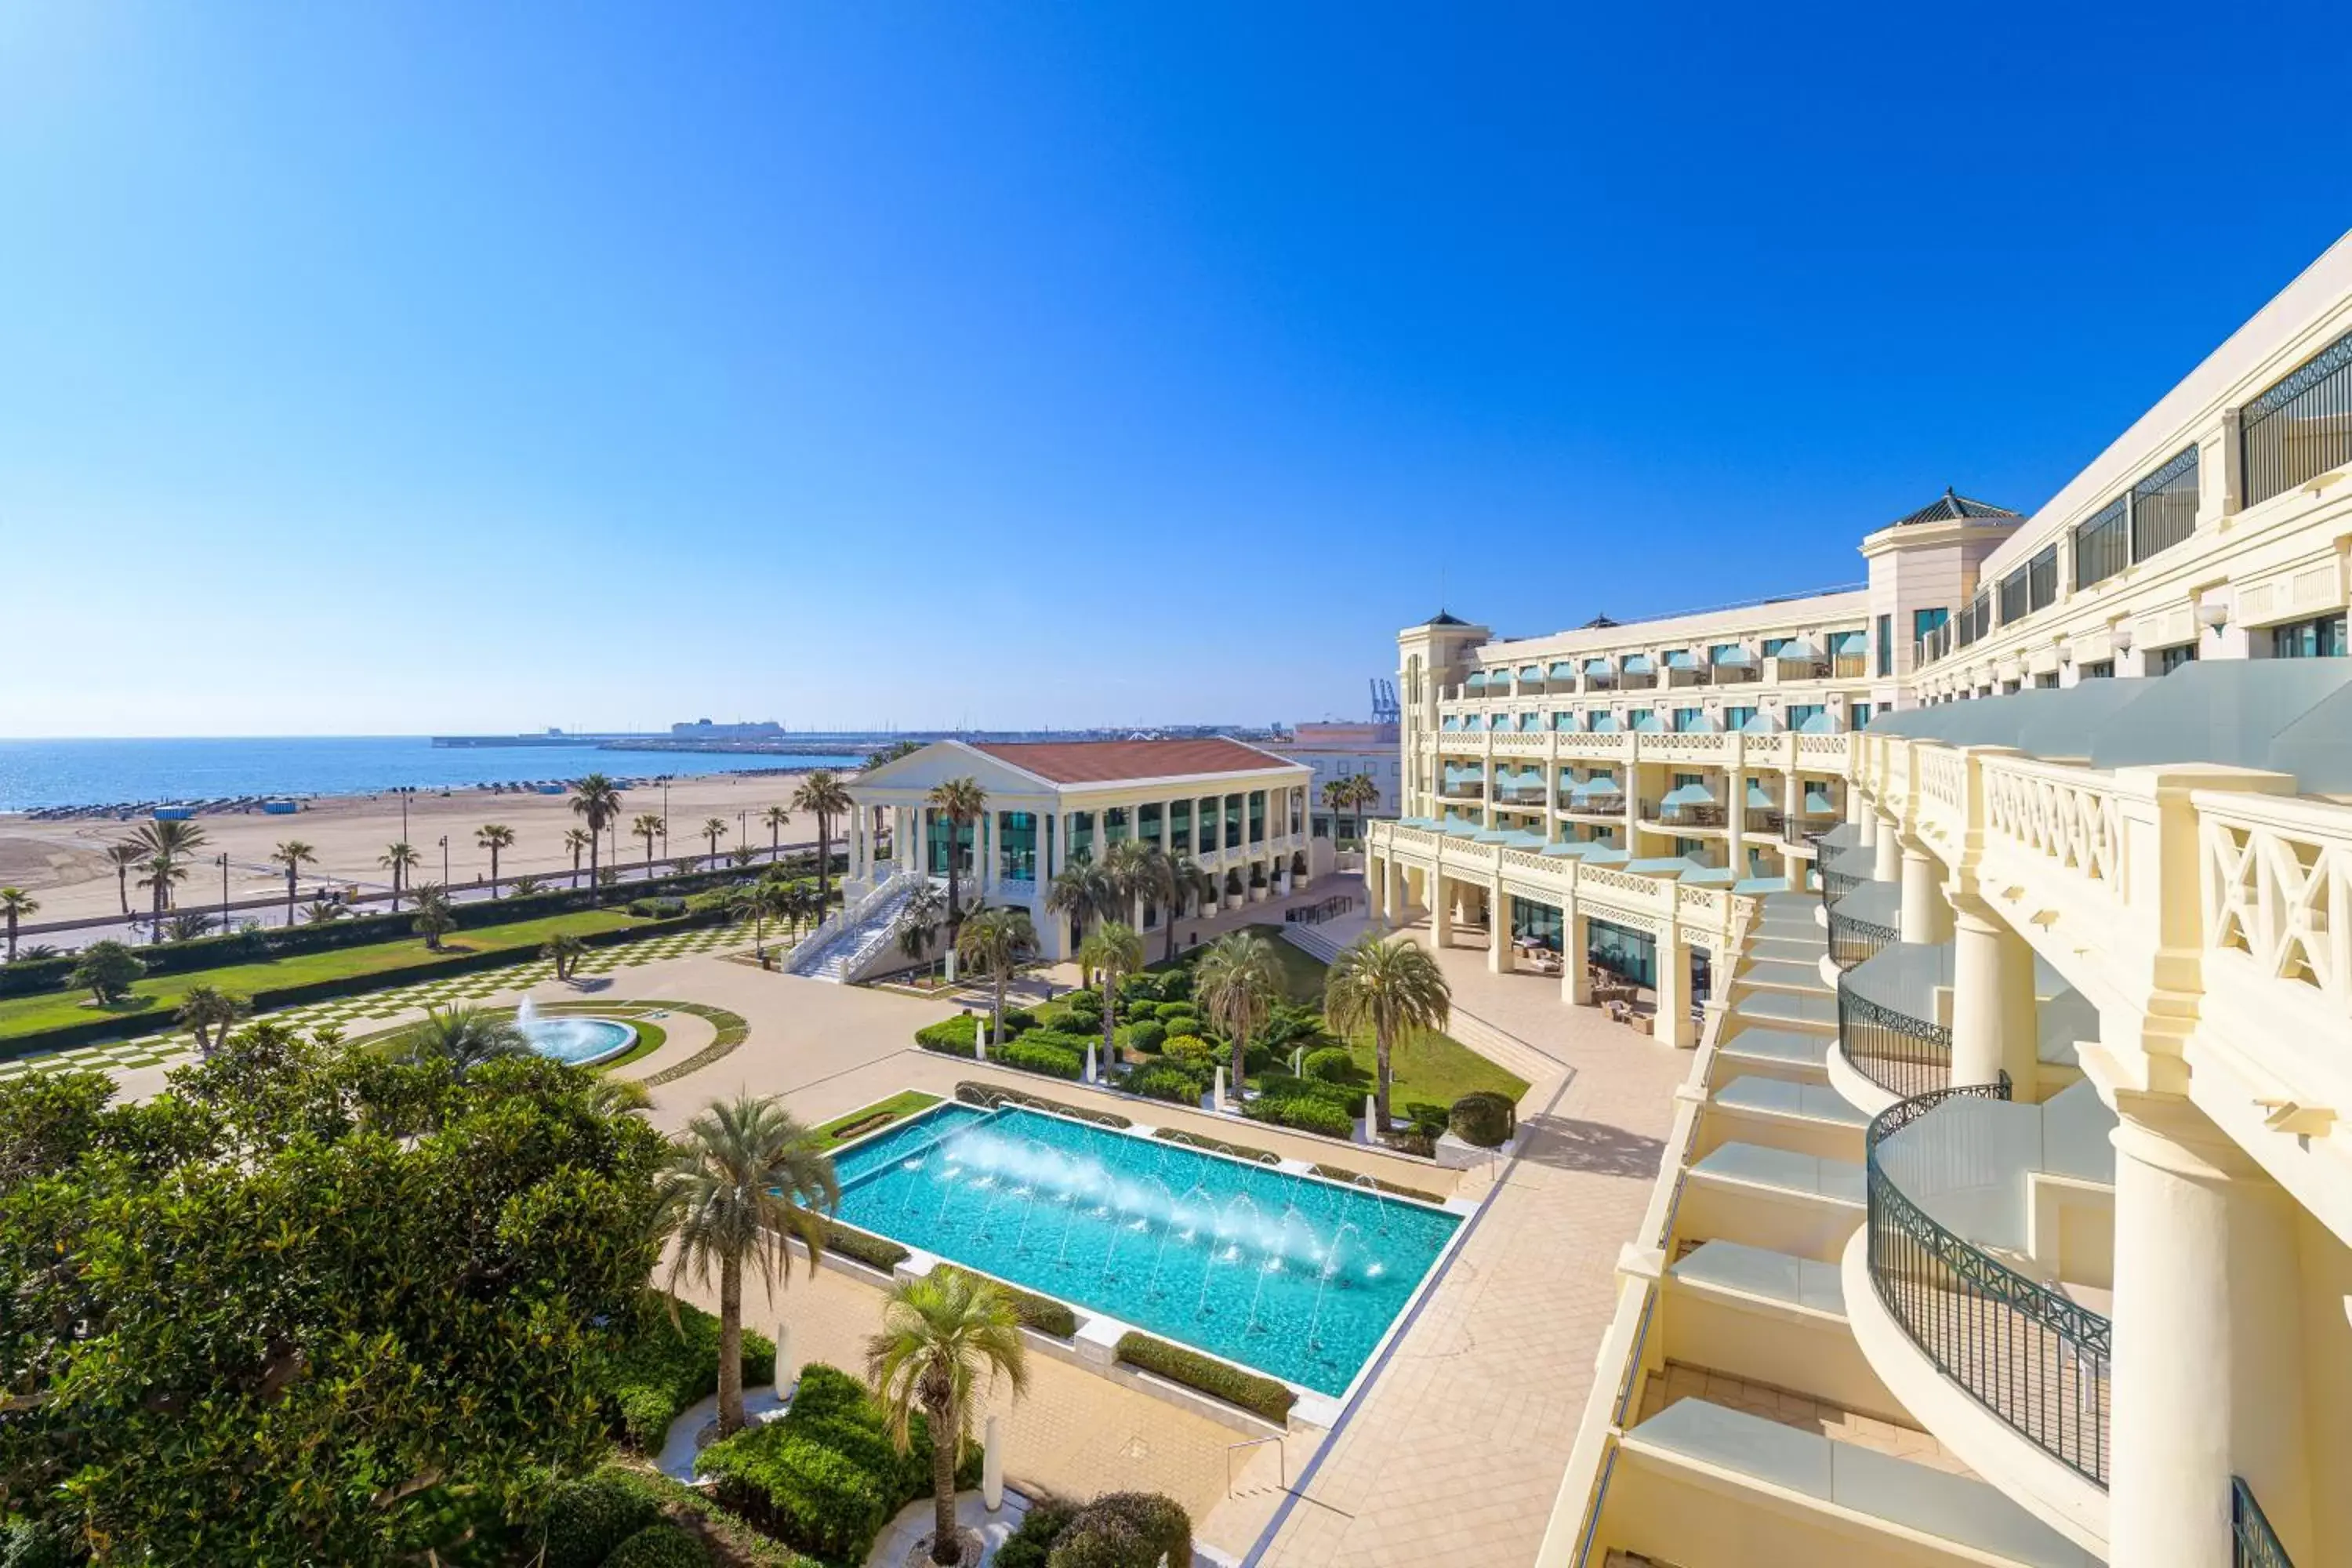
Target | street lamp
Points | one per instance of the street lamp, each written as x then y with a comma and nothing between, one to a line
444,862
223,865
665,816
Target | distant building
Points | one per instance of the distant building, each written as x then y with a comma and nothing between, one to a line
703,730
1347,751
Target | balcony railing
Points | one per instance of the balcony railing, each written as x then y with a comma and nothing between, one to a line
1521,795
1854,938
2255,1544
1761,821
1802,831
1902,1055
2302,427
2025,1352
1707,816
1837,884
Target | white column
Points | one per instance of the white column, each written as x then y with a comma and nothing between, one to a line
1867,818
2205,1381
1887,866
1441,909
1673,1025
1575,972
1500,956
1926,916
1735,819
1992,1005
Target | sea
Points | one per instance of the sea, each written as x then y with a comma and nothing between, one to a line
36,773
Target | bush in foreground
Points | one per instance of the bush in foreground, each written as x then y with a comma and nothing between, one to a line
1483,1118
1260,1396
1304,1115
660,1545
1124,1529
662,1368
587,1518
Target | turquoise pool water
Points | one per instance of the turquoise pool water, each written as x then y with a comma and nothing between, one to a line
1296,1276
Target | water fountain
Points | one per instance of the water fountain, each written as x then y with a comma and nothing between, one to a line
572,1038
1331,1267
1200,1308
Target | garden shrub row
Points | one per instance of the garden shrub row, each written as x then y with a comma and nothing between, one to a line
826,1478
1220,1380
587,1520
874,1251
1118,1530
661,1368
1218,1145
1303,1115
1165,1081
991,1094
1042,1313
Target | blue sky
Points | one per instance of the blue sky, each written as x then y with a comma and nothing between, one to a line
406,367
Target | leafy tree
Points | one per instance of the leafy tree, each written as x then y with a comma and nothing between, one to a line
1236,981
1389,987
308,1306
960,802
579,841
566,950
649,826
15,905
741,1177
494,837
434,916
596,800
1112,950
209,1013
714,828
996,943
293,854
456,1040
126,856
943,1337
778,819
320,911
822,796
107,969
399,860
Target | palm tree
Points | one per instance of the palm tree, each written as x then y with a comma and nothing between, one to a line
648,826
16,904
598,802
1390,987
714,828
125,858
318,912
960,801
1236,980
1145,876
188,925
822,795
919,921
741,1178
399,860
494,837
462,1038
1083,892
435,918
209,1014
164,845
778,819
293,854
162,873
996,943
1339,795
1115,950
770,898
565,949
943,1336
807,907
578,841
1189,884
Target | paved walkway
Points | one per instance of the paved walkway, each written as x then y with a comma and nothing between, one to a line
1456,1452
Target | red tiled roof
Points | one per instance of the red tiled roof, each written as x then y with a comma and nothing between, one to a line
1108,761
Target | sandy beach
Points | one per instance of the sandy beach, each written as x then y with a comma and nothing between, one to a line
62,864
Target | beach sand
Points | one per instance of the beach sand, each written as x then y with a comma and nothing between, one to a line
62,864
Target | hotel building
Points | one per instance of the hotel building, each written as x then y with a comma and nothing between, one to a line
2005,1215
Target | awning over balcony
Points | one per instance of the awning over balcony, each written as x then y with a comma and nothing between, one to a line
1690,794
1531,672
1597,666
1477,681
1490,836
1639,664
1603,724
1521,839
1463,829
1759,798
1762,724
1648,724
1801,651
1564,670
1732,658
1819,724
1817,801
1852,643
1606,854
1569,850
1453,722
1681,659
1603,791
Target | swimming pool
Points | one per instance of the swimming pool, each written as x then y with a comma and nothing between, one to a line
1294,1276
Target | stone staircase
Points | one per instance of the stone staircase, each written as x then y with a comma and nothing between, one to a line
838,951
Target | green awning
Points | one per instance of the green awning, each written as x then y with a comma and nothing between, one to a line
1477,681
1732,658
1853,642
1531,672
1681,659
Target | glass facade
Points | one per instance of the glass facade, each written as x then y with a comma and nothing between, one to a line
1621,951
1232,821
1257,816
1146,823
1886,645
1179,827
1737,718
1114,825
1016,846
1857,714
1082,835
1208,823
935,837
1688,721
1535,922
2322,638
2168,659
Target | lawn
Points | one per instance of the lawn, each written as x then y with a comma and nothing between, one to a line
874,1117
160,997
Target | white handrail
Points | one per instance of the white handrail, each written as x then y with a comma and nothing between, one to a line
817,941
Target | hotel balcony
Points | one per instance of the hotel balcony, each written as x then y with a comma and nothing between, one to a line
1895,1025
1864,919
1979,1285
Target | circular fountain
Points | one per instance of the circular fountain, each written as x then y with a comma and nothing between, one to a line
572,1038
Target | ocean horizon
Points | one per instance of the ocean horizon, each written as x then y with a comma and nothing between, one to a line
37,774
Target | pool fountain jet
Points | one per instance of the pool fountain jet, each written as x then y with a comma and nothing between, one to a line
1200,1308
573,1038
1331,1267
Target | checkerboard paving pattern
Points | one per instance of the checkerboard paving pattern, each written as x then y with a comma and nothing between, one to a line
353,1014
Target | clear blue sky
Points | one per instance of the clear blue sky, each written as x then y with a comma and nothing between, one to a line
390,368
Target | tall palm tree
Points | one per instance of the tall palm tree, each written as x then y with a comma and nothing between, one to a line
1389,987
162,873
770,898
960,801
125,858
1189,884
1339,795
399,860
462,1038
435,918
1114,949
943,1337
1146,877
823,797
320,913
209,1013
293,854
648,826
714,828
778,819
996,943
165,845
741,1177
579,841
919,921
16,904
1083,892
597,802
1236,983
494,837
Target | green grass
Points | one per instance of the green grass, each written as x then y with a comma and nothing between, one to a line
159,998
897,1108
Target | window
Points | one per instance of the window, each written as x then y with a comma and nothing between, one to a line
1690,847
1925,621
2013,596
1082,835
1800,713
1322,826
2046,681
1146,823
1561,719
2042,580
1208,823
1737,718
2097,669
1623,952
1257,816
1538,923
1637,718
2168,659
1298,809
1772,646
1857,716
1531,721
2102,544
939,837
2322,638
1179,827
1721,651
1232,821
1114,826
1016,851
2295,431
1688,721
1886,645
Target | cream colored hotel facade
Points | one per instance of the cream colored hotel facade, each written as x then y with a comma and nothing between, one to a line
2005,1214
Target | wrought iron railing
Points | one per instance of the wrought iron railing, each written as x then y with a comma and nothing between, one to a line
2256,1545
1837,884
1800,830
1902,1055
2102,544
2302,427
1854,938
2023,1350
1707,816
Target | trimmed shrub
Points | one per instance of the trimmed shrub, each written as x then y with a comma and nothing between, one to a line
1191,1050
865,1246
1124,1529
1290,1028
1146,1037
1165,1081
1138,988
1220,1380
1040,1528
1410,1141
588,1518
1304,1115
1030,1055
1019,1020
1283,1086
662,1546
1180,1016
1332,1064
658,909
956,1037
1041,1313
1138,1009
1176,984
1083,1008
660,1370
1483,1118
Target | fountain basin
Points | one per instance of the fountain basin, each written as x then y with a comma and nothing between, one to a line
1294,1276
571,1037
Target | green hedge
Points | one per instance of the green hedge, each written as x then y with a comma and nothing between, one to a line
1303,1115
1124,1529
956,1037
1283,1086
658,909
586,1519
826,1478
1031,1053
874,1251
1163,1082
1332,1064
1041,1313
660,1545
1483,1118
661,1369
1220,1380
991,1094
1145,1035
